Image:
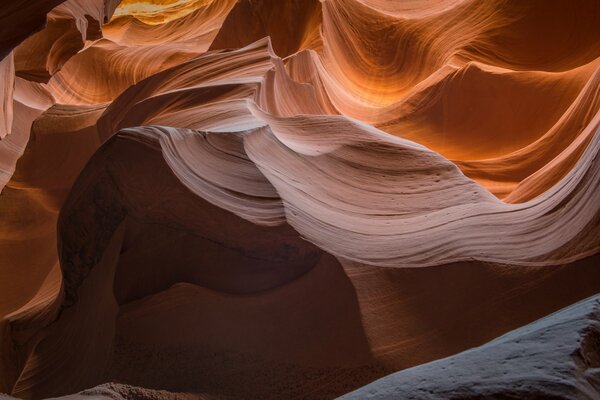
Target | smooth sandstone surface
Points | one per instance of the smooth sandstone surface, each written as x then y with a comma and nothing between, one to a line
229,199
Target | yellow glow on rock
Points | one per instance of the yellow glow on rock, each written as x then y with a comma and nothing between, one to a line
156,12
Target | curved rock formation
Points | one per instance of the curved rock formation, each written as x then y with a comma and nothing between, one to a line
32,16
290,199
69,26
553,358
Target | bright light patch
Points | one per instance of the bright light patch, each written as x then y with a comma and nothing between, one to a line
158,11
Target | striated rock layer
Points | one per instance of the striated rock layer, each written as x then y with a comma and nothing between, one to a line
291,199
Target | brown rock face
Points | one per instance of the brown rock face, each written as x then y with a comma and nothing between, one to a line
223,199
553,358
31,17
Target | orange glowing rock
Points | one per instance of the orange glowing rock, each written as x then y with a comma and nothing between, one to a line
289,199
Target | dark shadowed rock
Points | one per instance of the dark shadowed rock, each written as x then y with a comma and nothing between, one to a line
557,357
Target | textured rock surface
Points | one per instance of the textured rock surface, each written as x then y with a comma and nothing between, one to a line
557,357
288,199
116,391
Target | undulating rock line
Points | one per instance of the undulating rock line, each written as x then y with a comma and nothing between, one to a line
556,357
270,156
